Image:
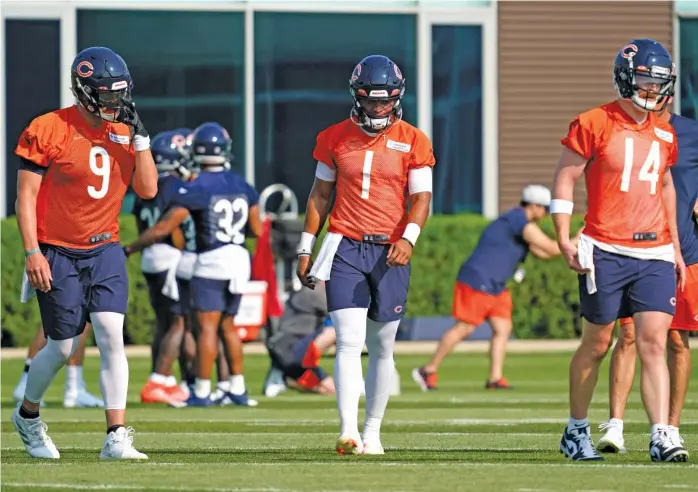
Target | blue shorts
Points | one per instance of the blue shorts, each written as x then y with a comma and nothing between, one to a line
84,282
361,278
163,305
213,295
183,307
626,286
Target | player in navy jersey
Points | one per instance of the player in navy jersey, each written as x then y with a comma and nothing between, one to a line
481,293
685,176
223,207
160,263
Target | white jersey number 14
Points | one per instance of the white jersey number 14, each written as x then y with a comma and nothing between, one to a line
649,170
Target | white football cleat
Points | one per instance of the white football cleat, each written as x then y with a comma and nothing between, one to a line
373,446
612,441
81,399
33,435
275,383
118,445
349,445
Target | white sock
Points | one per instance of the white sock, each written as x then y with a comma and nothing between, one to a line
46,365
617,423
158,378
202,388
237,384
73,379
350,326
113,365
657,428
224,386
380,341
170,381
577,423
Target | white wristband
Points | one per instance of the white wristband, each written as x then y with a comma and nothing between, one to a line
305,247
411,233
561,207
141,143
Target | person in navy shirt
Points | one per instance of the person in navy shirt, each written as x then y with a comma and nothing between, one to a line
480,291
160,260
223,207
622,374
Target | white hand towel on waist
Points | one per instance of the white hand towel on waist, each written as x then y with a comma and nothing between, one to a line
585,253
323,263
171,289
27,290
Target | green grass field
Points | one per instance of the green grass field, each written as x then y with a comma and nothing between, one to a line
459,438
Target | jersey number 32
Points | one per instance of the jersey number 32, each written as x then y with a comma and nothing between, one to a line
231,224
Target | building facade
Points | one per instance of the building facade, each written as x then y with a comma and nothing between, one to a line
493,84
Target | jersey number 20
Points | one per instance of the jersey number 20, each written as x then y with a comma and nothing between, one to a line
230,231
649,170
102,171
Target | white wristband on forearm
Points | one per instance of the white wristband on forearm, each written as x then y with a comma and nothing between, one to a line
411,233
561,207
305,247
141,143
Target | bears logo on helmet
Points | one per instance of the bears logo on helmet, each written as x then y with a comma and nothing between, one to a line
85,73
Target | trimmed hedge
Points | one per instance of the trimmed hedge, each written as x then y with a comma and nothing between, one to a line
546,302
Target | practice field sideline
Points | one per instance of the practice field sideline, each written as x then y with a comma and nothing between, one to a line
459,438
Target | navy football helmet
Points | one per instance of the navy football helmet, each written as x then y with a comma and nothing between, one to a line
169,152
377,87
100,81
211,145
645,73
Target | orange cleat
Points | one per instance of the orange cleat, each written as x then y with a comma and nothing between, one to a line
155,393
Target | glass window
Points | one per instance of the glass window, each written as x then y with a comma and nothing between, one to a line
187,67
688,68
302,67
457,118
33,44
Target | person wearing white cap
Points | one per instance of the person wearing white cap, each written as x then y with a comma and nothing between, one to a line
480,291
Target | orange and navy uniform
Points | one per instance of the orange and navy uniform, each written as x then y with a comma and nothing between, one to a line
87,174
627,162
372,176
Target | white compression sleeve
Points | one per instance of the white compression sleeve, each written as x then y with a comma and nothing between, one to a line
380,341
113,366
350,326
46,365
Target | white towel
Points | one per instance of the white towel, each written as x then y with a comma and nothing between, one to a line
171,289
323,263
27,290
585,253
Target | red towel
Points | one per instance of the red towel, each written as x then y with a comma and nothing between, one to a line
263,269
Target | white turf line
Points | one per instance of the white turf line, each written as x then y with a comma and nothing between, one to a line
29,485
308,423
361,462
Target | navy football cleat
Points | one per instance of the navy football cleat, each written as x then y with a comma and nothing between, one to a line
577,445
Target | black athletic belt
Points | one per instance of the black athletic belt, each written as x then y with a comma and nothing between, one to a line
375,238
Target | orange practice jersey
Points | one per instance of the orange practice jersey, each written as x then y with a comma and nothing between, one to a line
372,171
87,174
627,162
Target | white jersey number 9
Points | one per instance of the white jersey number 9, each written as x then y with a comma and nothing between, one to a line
231,232
99,167
649,170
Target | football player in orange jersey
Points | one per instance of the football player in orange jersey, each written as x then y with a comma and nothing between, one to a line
622,371
378,165
629,250
77,164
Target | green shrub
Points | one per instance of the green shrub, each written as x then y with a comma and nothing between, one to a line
546,303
